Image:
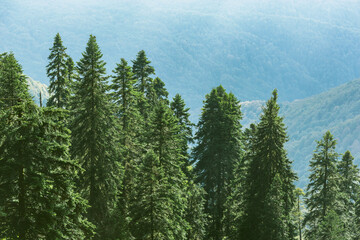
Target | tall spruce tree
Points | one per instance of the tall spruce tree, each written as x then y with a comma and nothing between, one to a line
57,72
218,149
94,139
125,97
195,212
322,195
38,198
235,203
269,182
159,209
349,194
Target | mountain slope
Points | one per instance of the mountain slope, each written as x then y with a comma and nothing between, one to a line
301,48
35,88
337,110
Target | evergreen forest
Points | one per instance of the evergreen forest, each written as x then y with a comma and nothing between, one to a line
112,157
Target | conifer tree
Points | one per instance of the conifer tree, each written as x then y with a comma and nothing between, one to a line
13,86
94,140
235,201
195,212
331,227
70,67
37,176
269,168
125,97
157,91
185,129
142,72
322,192
160,194
217,151
299,193
357,219
150,211
274,204
349,194
57,72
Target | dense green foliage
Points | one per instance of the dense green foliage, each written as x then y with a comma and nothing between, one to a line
131,169
37,175
93,139
269,188
216,153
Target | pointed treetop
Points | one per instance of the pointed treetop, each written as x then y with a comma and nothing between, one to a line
275,94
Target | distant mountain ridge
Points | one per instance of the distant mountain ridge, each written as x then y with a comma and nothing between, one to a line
35,88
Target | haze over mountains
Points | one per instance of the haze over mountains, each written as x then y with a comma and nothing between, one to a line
251,47
302,48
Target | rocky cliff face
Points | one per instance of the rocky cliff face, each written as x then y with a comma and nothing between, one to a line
36,88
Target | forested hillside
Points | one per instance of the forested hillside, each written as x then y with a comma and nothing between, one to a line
301,48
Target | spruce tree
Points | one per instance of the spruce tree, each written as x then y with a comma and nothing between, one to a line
57,73
218,149
157,91
142,72
125,97
299,193
70,67
332,227
94,140
269,182
235,203
357,219
39,200
160,193
322,195
124,94
150,211
182,114
195,212
349,194
13,86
